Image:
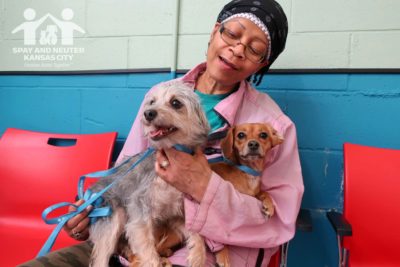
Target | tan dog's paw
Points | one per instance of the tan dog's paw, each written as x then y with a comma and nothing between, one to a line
222,258
268,208
134,261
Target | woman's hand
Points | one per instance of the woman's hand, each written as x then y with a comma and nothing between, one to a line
78,227
189,174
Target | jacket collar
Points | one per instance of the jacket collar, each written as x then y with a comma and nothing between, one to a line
229,106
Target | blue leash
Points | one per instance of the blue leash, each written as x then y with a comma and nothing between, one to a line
243,168
90,198
96,200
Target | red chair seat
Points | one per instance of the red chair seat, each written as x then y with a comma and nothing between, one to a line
22,239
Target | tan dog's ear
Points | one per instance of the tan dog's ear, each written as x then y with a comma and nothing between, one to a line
276,139
227,145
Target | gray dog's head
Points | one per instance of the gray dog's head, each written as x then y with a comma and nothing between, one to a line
172,114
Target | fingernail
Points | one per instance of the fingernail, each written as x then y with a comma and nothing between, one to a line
89,208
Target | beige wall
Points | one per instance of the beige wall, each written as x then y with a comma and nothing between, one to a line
133,34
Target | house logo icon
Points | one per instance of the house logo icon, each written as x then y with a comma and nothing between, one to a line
50,35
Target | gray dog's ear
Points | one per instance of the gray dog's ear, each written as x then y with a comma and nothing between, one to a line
204,125
227,145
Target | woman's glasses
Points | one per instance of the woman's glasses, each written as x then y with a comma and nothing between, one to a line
253,52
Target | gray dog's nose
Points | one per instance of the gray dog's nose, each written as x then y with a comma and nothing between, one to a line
150,114
253,145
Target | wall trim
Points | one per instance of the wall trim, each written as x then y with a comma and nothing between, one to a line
182,71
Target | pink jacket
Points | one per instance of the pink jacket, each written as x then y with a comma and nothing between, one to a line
227,216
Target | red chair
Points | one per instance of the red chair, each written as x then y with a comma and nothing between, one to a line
275,259
368,233
38,170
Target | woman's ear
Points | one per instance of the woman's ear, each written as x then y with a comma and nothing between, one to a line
215,30
262,65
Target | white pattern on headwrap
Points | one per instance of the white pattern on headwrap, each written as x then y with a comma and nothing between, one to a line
253,18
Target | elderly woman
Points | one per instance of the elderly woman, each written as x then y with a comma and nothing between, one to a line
246,39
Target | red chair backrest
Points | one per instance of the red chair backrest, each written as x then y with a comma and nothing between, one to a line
36,174
372,205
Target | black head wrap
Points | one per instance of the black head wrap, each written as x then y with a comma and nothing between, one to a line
273,17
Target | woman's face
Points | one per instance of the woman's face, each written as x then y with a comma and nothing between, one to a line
229,64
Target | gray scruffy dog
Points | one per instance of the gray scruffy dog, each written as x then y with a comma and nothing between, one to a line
141,201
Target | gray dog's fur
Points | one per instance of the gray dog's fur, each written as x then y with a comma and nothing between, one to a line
141,200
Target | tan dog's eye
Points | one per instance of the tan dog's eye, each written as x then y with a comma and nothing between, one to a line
241,135
176,104
152,102
263,135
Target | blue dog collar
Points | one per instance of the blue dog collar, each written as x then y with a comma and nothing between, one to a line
243,168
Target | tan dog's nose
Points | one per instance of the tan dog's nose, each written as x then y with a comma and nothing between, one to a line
253,145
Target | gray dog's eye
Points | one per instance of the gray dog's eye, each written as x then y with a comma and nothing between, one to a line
241,135
176,104
263,135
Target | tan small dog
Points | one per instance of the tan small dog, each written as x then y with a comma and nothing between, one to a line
246,144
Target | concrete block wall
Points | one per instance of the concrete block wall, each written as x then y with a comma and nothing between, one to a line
328,110
133,34
355,34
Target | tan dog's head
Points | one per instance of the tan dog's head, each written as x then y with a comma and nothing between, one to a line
248,143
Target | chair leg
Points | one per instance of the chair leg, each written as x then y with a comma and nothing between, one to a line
284,254
343,253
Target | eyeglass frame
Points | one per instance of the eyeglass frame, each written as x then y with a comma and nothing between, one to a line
223,28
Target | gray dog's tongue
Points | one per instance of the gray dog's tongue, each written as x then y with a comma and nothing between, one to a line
156,133
161,132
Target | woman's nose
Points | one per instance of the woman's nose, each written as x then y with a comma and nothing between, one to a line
238,50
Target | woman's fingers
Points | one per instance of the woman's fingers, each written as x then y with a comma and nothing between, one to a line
161,159
74,221
83,235
189,174
78,226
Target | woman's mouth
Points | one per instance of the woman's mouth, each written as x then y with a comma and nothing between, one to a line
228,64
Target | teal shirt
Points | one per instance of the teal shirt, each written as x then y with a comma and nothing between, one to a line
208,102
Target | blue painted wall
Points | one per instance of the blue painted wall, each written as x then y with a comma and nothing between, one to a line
328,109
